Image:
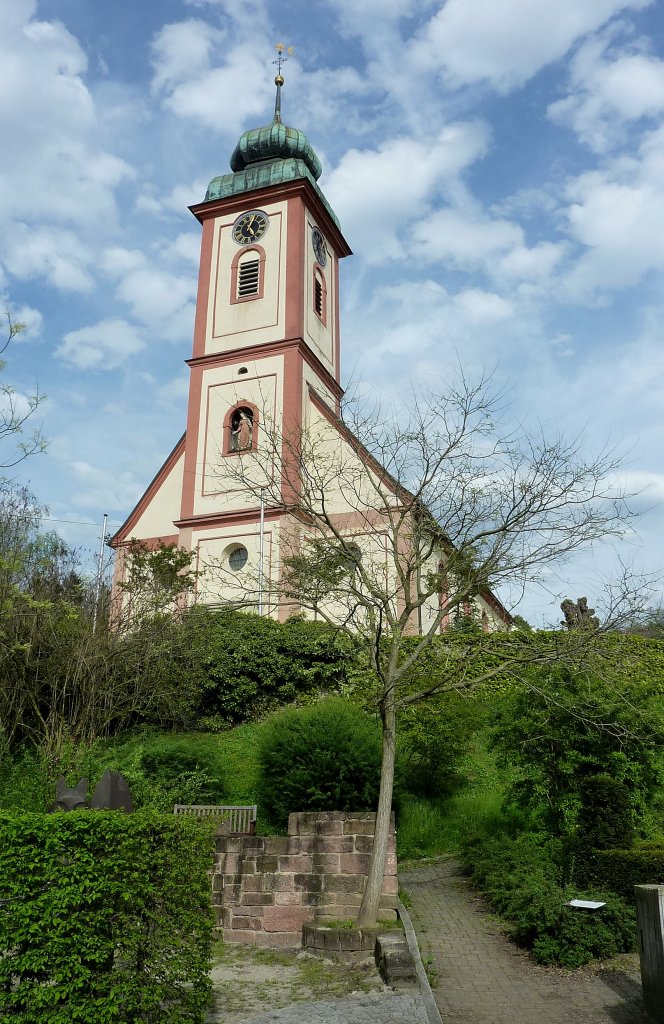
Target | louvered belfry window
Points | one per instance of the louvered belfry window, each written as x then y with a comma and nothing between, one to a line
318,296
248,277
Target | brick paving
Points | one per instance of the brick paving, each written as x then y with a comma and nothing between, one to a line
482,978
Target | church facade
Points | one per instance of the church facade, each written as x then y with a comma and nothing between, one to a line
265,366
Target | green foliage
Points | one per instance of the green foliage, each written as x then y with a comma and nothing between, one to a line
325,757
605,820
163,769
519,877
104,917
434,737
573,727
155,577
253,664
621,870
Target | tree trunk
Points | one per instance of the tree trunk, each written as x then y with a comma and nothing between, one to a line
368,913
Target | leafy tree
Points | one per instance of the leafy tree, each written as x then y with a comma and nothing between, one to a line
587,725
399,524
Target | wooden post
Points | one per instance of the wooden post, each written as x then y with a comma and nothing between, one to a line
650,922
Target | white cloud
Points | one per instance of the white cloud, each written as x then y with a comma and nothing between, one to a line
216,97
102,346
104,488
376,191
60,176
483,307
57,255
617,213
506,43
186,247
160,299
464,241
609,90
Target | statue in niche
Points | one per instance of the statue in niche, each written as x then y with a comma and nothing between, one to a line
242,430
578,615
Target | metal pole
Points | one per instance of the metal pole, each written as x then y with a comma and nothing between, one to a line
100,563
261,549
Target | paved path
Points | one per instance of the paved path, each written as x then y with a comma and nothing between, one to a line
382,1008
484,979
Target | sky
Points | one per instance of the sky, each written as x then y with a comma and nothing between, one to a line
497,168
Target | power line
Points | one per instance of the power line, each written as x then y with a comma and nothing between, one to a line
74,522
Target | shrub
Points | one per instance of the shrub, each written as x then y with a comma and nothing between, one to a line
621,870
162,769
254,664
605,820
107,918
325,757
519,877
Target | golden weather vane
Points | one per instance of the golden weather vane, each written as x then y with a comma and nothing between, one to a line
283,53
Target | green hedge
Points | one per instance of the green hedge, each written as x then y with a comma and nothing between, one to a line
621,870
104,917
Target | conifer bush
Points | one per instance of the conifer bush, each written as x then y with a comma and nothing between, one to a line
325,757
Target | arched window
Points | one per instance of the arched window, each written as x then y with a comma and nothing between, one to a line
240,429
320,295
248,274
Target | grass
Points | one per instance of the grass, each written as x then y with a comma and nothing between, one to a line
435,827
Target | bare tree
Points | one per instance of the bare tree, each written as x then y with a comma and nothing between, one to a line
395,527
16,410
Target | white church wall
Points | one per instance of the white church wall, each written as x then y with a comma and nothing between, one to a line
258,320
156,519
320,332
219,581
216,488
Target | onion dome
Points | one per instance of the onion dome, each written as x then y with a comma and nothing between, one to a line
275,141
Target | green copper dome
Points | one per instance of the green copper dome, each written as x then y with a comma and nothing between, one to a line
271,155
275,141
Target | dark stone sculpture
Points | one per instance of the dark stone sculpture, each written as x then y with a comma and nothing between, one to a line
67,799
112,793
578,615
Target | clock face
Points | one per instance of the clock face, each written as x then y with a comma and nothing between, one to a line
318,243
249,227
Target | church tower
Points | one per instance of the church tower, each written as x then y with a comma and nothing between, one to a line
266,337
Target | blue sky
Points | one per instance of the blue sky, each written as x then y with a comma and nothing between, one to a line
498,170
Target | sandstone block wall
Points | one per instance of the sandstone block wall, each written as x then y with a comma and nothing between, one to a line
265,888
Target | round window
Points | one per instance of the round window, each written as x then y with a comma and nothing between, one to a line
238,559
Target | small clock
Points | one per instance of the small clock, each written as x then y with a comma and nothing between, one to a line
249,227
318,243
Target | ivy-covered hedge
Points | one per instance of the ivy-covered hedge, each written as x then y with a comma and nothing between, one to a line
621,870
104,917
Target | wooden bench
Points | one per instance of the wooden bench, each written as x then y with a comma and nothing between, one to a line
237,821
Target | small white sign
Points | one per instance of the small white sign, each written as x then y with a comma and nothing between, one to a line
585,904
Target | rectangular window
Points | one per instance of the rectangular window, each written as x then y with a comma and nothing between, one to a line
247,282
